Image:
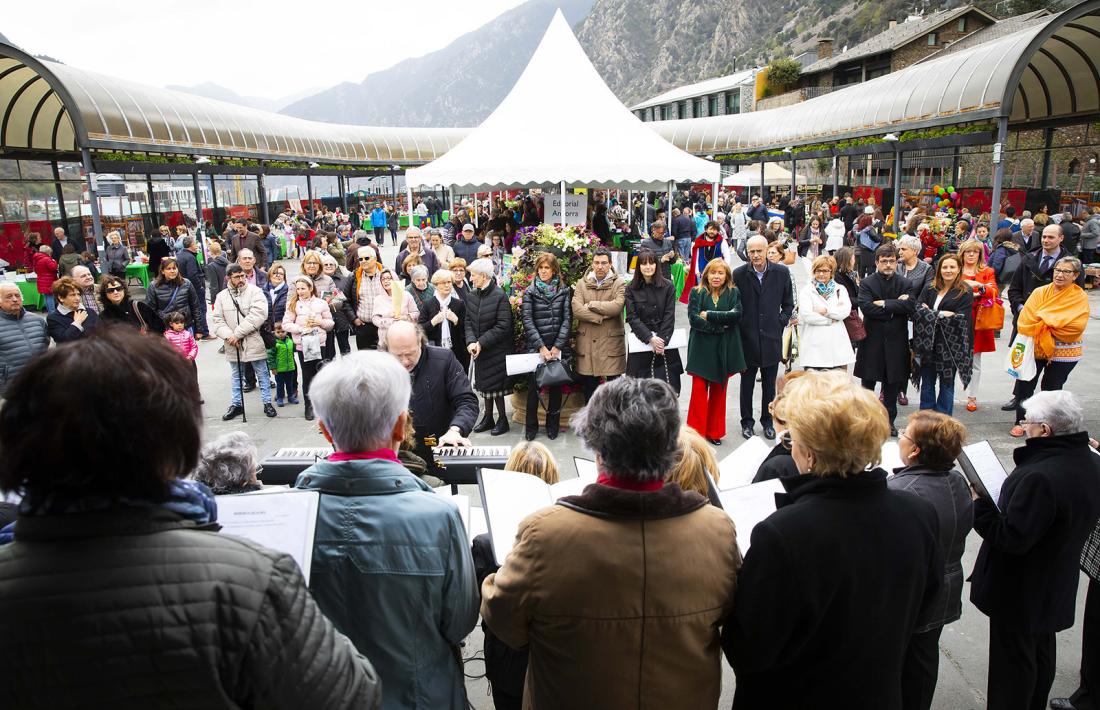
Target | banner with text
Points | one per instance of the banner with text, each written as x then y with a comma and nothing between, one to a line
576,209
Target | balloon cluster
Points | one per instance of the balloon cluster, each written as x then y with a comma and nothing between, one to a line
945,198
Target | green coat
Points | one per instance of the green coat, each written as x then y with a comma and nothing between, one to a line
714,343
281,357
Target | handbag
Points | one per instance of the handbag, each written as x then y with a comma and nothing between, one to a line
311,347
991,316
1020,362
653,369
552,373
854,325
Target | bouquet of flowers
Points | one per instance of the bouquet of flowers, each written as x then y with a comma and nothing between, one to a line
935,237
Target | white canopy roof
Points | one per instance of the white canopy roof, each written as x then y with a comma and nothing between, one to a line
561,122
774,175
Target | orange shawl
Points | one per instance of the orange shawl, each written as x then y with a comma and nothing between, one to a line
1051,315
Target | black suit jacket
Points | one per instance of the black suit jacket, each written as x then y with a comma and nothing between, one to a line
1029,276
441,396
766,309
1026,572
434,333
883,355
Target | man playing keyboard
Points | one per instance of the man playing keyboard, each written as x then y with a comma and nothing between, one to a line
442,404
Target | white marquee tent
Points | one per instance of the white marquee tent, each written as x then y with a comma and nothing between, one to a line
775,175
560,123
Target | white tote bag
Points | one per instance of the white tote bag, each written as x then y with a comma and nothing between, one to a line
1020,362
311,347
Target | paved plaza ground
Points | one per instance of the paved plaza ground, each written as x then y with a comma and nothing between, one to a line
963,645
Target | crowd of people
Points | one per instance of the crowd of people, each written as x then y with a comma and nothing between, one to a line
432,335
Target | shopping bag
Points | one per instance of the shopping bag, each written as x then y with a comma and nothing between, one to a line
311,347
1020,362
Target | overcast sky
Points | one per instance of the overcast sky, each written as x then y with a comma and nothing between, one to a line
257,48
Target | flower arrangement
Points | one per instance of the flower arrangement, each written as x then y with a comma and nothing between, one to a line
571,245
935,236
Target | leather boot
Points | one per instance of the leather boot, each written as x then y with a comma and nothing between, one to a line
486,422
500,428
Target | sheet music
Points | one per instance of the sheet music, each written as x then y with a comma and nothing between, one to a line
983,469
586,469
460,501
509,497
747,506
282,520
891,457
678,340
523,363
739,468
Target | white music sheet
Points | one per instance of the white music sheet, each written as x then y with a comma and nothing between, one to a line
285,521
739,468
460,501
522,364
633,345
983,469
747,506
891,457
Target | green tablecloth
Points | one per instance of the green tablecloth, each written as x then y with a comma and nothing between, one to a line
138,271
678,274
31,296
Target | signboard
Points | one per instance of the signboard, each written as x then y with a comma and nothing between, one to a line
576,209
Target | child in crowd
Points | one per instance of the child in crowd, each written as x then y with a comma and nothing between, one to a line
182,339
280,360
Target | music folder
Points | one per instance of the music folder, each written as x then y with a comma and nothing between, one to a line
739,467
508,497
748,505
980,465
284,520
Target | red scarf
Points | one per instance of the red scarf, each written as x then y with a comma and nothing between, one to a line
628,484
700,242
384,454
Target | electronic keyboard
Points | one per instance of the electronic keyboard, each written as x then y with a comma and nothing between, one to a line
283,466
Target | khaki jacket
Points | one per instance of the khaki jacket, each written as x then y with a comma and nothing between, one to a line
225,321
619,596
601,336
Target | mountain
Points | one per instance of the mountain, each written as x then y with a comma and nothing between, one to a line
458,85
211,90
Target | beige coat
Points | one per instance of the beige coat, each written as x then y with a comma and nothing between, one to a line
619,596
601,335
225,321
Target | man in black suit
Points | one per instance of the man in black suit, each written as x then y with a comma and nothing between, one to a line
1025,578
767,300
442,404
886,301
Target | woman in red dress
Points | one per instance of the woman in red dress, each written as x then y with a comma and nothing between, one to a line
987,306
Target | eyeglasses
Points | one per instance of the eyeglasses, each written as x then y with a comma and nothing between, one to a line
1066,272
365,258
115,289
903,435
785,439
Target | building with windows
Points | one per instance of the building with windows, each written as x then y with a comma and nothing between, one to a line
721,96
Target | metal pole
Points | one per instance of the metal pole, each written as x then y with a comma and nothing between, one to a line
393,186
836,175
60,195
200,233
998,170
563,204
1048,141
897,190
152,199
93,198
629,208
261,186
409,202
668,211
240,380
451,201
955,170
794,176
309,194
342,182
476,211
762,184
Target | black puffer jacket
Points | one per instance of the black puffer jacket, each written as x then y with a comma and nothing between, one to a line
547,321
135,607
185,300
489,323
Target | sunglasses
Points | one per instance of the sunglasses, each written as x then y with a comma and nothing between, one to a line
115,289
366,258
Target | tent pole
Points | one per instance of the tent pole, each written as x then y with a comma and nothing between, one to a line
451,201
476,225
629,208
713,199
563,204
668,214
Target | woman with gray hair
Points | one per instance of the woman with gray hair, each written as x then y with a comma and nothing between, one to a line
228,465
1025,578
648,546
421,290
489,340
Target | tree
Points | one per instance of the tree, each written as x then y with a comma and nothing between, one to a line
783,74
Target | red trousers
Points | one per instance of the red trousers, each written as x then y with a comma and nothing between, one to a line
707,408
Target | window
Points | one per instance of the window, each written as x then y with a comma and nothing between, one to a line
712,105
666,112
962,24
696,108
733,101
932,39
682,109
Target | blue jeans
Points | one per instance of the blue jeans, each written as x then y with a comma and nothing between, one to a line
684,247
945,402
48,297
263,379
